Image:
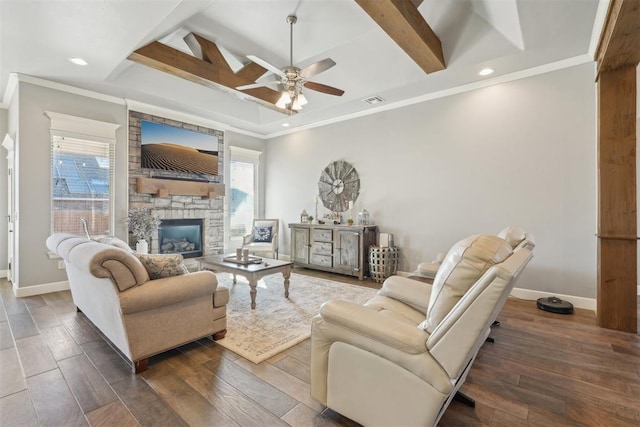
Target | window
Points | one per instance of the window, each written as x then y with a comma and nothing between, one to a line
82,179
82,175
243,173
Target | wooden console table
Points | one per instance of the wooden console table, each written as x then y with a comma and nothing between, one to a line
340,249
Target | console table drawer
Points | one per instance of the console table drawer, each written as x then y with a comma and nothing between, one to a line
321,248
322,260
322,235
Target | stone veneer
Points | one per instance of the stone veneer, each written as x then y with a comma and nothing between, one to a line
177,206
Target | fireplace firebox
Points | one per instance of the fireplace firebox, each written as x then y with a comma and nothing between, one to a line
180,236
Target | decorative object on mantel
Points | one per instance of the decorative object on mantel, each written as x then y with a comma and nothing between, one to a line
169,187
142,223
339,184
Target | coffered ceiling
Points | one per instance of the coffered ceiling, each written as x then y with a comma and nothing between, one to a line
37,38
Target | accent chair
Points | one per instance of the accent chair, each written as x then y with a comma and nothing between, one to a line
263,237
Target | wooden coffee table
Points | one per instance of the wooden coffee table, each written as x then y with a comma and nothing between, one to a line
253,272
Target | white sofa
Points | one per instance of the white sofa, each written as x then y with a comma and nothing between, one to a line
139,315
400,358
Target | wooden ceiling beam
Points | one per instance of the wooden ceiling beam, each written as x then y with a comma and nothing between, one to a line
620,39
210,74
402,21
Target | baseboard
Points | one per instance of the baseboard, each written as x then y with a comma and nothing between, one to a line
578,302
45,288
5,273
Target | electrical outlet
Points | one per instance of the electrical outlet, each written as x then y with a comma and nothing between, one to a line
60,265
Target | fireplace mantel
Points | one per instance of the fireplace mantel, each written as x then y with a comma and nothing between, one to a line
170,187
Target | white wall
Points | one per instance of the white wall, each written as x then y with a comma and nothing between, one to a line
520,153
34,173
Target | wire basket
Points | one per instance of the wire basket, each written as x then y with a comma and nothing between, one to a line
383,262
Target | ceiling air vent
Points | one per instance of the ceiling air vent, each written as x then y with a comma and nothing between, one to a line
373,100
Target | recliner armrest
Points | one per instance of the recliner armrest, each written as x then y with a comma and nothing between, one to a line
372,324
414,293
170,290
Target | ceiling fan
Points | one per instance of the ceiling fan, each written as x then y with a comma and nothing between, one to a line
292,79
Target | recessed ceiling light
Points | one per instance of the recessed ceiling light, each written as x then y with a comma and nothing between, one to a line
285,125
485,72
78,61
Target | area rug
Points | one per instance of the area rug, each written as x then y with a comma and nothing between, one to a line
278,323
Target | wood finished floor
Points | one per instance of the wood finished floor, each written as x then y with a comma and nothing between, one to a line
543,370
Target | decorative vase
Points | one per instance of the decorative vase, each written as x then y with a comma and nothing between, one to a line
142,247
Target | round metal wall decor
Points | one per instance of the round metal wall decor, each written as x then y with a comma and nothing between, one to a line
338,185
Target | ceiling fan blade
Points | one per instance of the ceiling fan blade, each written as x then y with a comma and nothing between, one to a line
251,86
317,68
319,87
265,64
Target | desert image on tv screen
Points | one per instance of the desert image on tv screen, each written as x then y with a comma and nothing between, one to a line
170,148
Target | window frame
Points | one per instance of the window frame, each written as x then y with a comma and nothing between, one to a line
79,128
239,154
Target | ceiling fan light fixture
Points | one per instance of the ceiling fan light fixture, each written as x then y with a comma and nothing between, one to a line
302,99
295,105
284,100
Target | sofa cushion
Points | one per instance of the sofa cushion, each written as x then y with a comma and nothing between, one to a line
262,234
114,241
464,264
160,266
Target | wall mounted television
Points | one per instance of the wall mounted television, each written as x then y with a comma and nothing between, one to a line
169,148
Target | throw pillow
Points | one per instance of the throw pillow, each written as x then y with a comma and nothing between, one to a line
160,266
262,234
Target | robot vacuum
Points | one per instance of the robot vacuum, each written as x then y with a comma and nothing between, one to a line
555,305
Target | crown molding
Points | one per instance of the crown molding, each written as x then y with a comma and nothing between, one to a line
64,88
598,25
12,85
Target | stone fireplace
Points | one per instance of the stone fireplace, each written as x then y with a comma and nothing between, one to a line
177,207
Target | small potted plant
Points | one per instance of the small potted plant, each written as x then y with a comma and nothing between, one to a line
310,219
142,223
350,221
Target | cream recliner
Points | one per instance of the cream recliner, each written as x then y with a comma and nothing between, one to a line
400,359
513,235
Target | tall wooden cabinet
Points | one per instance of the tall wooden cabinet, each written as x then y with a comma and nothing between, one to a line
340,249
